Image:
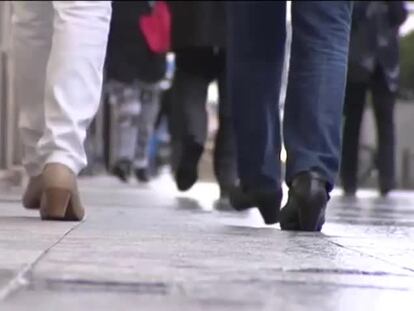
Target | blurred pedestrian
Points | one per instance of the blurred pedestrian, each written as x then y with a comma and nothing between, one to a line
373,66
313,108
58,56
134,86
199,43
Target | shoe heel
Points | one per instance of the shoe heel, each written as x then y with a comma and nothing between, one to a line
60,199
269,206
186,174
270,215
239,200
54,204
312,216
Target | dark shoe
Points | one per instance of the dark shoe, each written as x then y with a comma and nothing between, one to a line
268,202
223,203
349,193
122,169
305,209
225,190
385,189
142,175
349,190
240,199
186,174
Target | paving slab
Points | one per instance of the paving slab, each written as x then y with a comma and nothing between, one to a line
150,248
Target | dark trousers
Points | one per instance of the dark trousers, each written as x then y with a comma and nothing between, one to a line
196,68
313,108
383,101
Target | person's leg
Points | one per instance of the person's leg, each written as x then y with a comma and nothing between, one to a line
74,79
72,95
32,30
124,97
355,97
188,113
225,164
150,105
255,59
383,104
160,150
256,42
313,110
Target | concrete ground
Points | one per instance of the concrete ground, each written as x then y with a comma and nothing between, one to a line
150,248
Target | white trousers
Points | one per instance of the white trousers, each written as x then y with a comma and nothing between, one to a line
58,53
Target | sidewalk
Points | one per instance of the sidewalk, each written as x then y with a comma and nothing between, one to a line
149,248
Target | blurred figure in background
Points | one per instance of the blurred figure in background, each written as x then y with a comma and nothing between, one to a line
373,66
160,143
134,85
58,57
199,43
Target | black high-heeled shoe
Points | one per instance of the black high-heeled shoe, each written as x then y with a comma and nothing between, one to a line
268,202
306,206
186,174
142,175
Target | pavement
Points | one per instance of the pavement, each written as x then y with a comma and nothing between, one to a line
152,248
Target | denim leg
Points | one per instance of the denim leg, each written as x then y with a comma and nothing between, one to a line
316,86
255,60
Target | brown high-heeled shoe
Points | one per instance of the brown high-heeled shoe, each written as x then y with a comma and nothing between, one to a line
60,199
33,193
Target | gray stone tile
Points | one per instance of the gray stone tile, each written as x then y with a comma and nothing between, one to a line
150,248
23,240
218,296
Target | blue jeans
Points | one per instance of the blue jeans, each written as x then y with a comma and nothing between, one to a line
315,93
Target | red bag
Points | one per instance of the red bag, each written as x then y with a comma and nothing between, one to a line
156,28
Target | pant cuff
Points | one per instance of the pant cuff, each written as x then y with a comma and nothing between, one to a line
67,160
